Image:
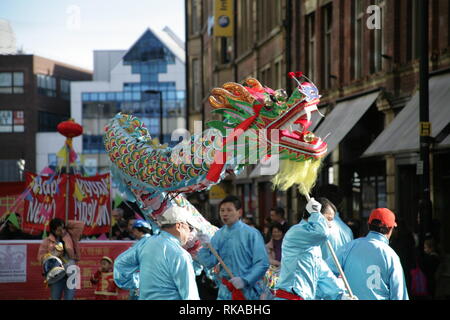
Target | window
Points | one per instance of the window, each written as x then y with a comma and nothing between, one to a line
11,82
48,121
413,30
12,170
269,17
310,46
195,16
197,85
327,27
278,75
225,46
378,41
245,26
46,85
266,76
358,31
65,89
12,121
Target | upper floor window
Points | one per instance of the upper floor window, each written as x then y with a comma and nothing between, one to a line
11,82
269,16
12,121
245,26
46,85
413,30
359,25
378,40
65,89
195,16
327,28
311,46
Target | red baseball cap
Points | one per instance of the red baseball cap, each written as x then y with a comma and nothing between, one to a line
386,216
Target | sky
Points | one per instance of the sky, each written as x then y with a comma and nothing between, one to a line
70,30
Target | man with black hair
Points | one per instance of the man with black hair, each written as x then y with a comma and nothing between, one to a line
277,216
126,266
340,232
304,275
372,267
242,249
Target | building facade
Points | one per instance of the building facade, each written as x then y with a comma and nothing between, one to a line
144,80
363,56
256,48
34,98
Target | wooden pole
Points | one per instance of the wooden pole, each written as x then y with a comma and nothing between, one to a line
214,252
68,144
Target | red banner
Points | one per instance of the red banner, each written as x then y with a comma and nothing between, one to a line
89,201
21,274
44,200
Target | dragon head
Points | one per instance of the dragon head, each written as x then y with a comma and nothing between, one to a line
273,111
285,121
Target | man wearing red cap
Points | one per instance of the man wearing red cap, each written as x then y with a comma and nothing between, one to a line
372,267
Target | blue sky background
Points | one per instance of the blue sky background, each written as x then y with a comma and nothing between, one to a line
69,30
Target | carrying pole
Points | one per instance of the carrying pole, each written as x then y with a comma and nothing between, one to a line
333,254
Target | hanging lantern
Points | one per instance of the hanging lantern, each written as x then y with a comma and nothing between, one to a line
70,129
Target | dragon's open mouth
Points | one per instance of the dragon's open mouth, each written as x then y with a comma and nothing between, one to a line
293,133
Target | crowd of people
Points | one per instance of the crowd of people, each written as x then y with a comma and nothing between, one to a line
243,261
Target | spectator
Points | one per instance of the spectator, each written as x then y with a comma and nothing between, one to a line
277,215
273,248
131,234
355,227
404,245
67,236
429,265
120,228
266,229
274,245
103,278
10,230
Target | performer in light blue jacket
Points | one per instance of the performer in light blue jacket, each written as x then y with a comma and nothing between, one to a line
372,267
166,269
304,275
126,266
242,249
340,234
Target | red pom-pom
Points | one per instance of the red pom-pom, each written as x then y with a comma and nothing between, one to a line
291,75
299,74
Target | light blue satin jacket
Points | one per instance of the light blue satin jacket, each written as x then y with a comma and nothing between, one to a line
126,266
303,271
166,270
340,234
372,268
242,249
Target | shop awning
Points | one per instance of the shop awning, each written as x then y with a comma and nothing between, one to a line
343,118
402,135
445,143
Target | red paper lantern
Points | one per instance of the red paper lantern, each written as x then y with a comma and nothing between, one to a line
70,129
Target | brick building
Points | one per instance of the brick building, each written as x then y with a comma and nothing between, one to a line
34,98
363,57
